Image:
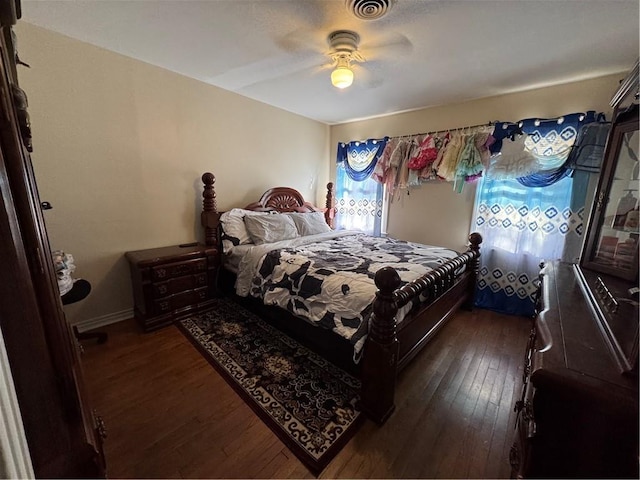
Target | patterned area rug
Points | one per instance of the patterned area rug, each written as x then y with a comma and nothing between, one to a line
308,402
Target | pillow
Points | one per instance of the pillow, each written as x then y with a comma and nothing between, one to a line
310,223
270,228
233,230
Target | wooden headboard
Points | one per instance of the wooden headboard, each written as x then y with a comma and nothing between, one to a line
278,199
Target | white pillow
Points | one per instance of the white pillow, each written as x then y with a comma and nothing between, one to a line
270,228
310,223
233,230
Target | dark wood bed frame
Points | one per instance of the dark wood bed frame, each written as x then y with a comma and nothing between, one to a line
389,346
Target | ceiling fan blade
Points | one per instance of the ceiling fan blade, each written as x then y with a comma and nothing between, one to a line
302,39
367,75
266,69
393,45
324,67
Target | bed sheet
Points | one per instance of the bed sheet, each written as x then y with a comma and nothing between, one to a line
328,279
233,257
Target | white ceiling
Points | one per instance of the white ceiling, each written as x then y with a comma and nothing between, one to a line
422,53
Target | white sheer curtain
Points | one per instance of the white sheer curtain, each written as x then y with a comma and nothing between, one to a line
359,203
520,226
359,198
531,211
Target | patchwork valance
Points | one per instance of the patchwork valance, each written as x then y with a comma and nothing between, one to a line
535,151
360,158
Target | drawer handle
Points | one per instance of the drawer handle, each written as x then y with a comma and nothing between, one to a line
518,407
164,305
528,417
514,458
609,300
527,411
180,269
100,427
162,289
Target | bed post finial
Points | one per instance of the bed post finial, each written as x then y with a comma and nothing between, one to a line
380,358
210,216
475,239
330,205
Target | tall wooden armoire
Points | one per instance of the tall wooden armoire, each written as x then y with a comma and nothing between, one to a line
63,436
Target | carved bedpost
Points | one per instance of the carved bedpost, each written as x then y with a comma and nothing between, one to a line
380,359
330,205
210,216
475,239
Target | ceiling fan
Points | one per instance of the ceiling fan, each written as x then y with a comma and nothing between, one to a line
318,31
344,50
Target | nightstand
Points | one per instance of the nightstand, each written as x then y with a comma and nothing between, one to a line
172,282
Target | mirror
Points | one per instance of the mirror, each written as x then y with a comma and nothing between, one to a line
609,261
614,230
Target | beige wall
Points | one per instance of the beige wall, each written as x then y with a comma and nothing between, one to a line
119,148
433,213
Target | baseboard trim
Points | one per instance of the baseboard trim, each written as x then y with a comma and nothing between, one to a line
104,320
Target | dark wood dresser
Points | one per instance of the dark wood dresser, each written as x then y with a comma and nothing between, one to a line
578,414
171,282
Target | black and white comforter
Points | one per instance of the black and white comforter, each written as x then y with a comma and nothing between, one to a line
328,279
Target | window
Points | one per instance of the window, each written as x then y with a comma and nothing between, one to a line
359,198
359,204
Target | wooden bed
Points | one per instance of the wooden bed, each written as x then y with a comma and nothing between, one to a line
388,346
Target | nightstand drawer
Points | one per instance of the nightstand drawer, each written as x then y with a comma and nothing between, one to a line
179,284
180,300
178,269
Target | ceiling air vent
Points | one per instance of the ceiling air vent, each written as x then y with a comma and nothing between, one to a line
369,9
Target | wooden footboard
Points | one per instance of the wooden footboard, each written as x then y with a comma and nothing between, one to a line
389,348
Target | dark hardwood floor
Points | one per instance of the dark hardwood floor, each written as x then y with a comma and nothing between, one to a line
168,413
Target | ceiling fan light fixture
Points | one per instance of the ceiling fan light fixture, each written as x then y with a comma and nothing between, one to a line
342,76
344,50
